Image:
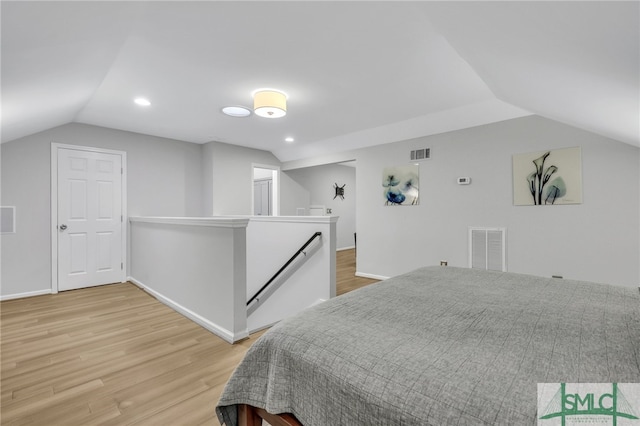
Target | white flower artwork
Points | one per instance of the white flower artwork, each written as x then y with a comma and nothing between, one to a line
401,185
549,177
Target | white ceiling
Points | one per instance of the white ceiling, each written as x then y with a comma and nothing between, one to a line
357,73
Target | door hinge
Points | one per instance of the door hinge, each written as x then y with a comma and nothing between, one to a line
121,219
121,265
121,171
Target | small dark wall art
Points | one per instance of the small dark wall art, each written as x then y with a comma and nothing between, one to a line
549,177
339,191
401,185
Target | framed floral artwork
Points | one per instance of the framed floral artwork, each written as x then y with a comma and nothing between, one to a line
401,185
549,177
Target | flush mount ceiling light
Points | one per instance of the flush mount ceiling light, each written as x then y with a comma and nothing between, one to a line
142,101
269,103
236,111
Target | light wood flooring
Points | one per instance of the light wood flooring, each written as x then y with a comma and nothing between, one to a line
113,355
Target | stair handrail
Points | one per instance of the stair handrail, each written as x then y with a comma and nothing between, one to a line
301,250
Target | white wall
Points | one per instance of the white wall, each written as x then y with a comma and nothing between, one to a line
259,173
197,266
271,241
164,179
228,177
319,181
597,240
594,241
208,267
293,196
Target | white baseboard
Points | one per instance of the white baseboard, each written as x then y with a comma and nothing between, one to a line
373,276
198,319
27,294
317,302
345,248
255,330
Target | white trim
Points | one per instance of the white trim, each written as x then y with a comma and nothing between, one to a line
221,332
345,248
264,180
373,276
54,218
295,219
22,295
215,222
262,327
255,330
54,207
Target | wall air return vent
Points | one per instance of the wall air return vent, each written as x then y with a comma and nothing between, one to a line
421,154
487,248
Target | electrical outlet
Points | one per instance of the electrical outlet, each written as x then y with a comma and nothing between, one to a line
444,263
328,211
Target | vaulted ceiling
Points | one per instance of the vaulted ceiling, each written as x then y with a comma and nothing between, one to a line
356,73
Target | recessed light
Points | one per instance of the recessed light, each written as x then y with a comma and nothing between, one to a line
142,101
236,111
289,139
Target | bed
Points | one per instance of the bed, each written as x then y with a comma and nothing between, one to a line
437,346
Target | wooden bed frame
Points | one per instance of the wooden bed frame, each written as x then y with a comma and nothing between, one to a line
249,415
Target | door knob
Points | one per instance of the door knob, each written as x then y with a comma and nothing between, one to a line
63,227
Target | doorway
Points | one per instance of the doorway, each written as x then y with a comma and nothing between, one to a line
88,217
262,197
265,190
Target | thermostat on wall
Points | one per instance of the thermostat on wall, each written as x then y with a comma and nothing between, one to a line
464,180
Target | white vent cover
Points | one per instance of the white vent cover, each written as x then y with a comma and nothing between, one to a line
487,248
421,154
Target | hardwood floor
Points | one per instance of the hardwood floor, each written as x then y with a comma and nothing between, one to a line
113,355
346,279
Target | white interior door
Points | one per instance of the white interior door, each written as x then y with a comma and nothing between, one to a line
90,218
262,197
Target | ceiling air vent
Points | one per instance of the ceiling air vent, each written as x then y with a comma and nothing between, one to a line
421,154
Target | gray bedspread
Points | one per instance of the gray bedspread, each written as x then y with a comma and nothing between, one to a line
439,346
